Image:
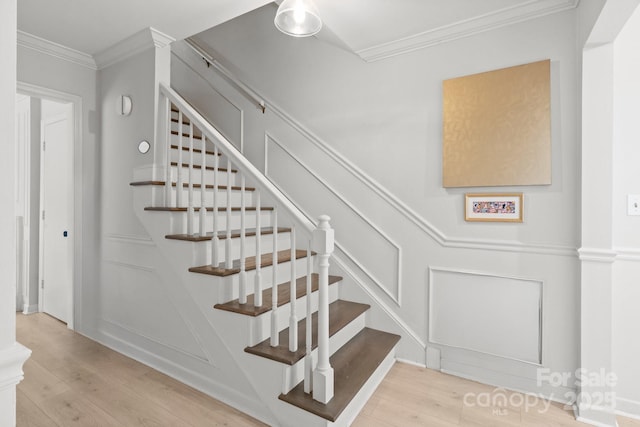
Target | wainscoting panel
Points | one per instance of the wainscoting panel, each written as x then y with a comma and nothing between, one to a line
133,297
486,313
380,259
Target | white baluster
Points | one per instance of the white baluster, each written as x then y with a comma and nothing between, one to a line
323,241
179,167
308,358
293,319
227,247
257,288
242,279
167,175
215,256
190,207
275,337
203,187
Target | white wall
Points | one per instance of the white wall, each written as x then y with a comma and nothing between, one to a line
626,229
371,160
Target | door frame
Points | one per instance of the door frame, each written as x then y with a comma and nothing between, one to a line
75,314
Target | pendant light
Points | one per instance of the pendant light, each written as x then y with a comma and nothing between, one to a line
298,18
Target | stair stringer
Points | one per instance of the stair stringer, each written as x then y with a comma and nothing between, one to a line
194,301
266,378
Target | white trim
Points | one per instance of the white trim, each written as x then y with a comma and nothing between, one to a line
56,50
130,239
628,408
628,254
411,362
183,374
11,360
233,104
606,256
139,42
30,309
403,208
381,304
78,249
131,266
465,28
541,347
137,333
396,298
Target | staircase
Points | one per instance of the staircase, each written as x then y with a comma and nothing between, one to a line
308,354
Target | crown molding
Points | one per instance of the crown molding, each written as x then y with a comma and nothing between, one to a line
56,50
139,42
500,18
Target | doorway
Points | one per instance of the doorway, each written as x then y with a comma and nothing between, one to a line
48,227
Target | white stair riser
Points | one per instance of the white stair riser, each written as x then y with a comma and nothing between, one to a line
221,196
197,157
197,145
294,374
196,177
201,251
177,221
283,274
260,327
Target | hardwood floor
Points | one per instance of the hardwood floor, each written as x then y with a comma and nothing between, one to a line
73,381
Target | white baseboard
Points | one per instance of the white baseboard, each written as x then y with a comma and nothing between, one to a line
30,309
191,378
628,408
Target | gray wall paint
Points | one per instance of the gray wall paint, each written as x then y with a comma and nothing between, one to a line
384,118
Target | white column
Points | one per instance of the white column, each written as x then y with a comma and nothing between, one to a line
323,242
596,404
12,354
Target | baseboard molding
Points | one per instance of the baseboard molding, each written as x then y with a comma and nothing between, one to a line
187,376
30,309
11,360
628,408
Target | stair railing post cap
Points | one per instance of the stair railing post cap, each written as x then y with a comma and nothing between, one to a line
323,236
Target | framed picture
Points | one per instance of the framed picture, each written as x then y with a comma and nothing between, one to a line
500,207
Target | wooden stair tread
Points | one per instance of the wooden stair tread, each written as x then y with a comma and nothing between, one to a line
197,209
209,168
249,232
353,365
341,313
284,296
195,150
186,185
250,263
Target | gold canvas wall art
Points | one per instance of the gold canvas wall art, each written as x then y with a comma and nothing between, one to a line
497,128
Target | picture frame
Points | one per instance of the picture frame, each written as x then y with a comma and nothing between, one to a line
493,207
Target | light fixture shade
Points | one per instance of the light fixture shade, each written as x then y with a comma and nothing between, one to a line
298,18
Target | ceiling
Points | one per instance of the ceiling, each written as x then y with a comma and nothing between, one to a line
373,29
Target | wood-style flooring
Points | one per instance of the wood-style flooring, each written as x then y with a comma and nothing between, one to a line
73,381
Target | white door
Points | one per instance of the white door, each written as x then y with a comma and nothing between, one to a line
56,241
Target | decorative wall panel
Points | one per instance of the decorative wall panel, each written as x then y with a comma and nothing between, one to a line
497,128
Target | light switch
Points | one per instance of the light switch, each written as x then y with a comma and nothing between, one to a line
633,204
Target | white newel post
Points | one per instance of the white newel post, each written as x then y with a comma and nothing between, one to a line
323,241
